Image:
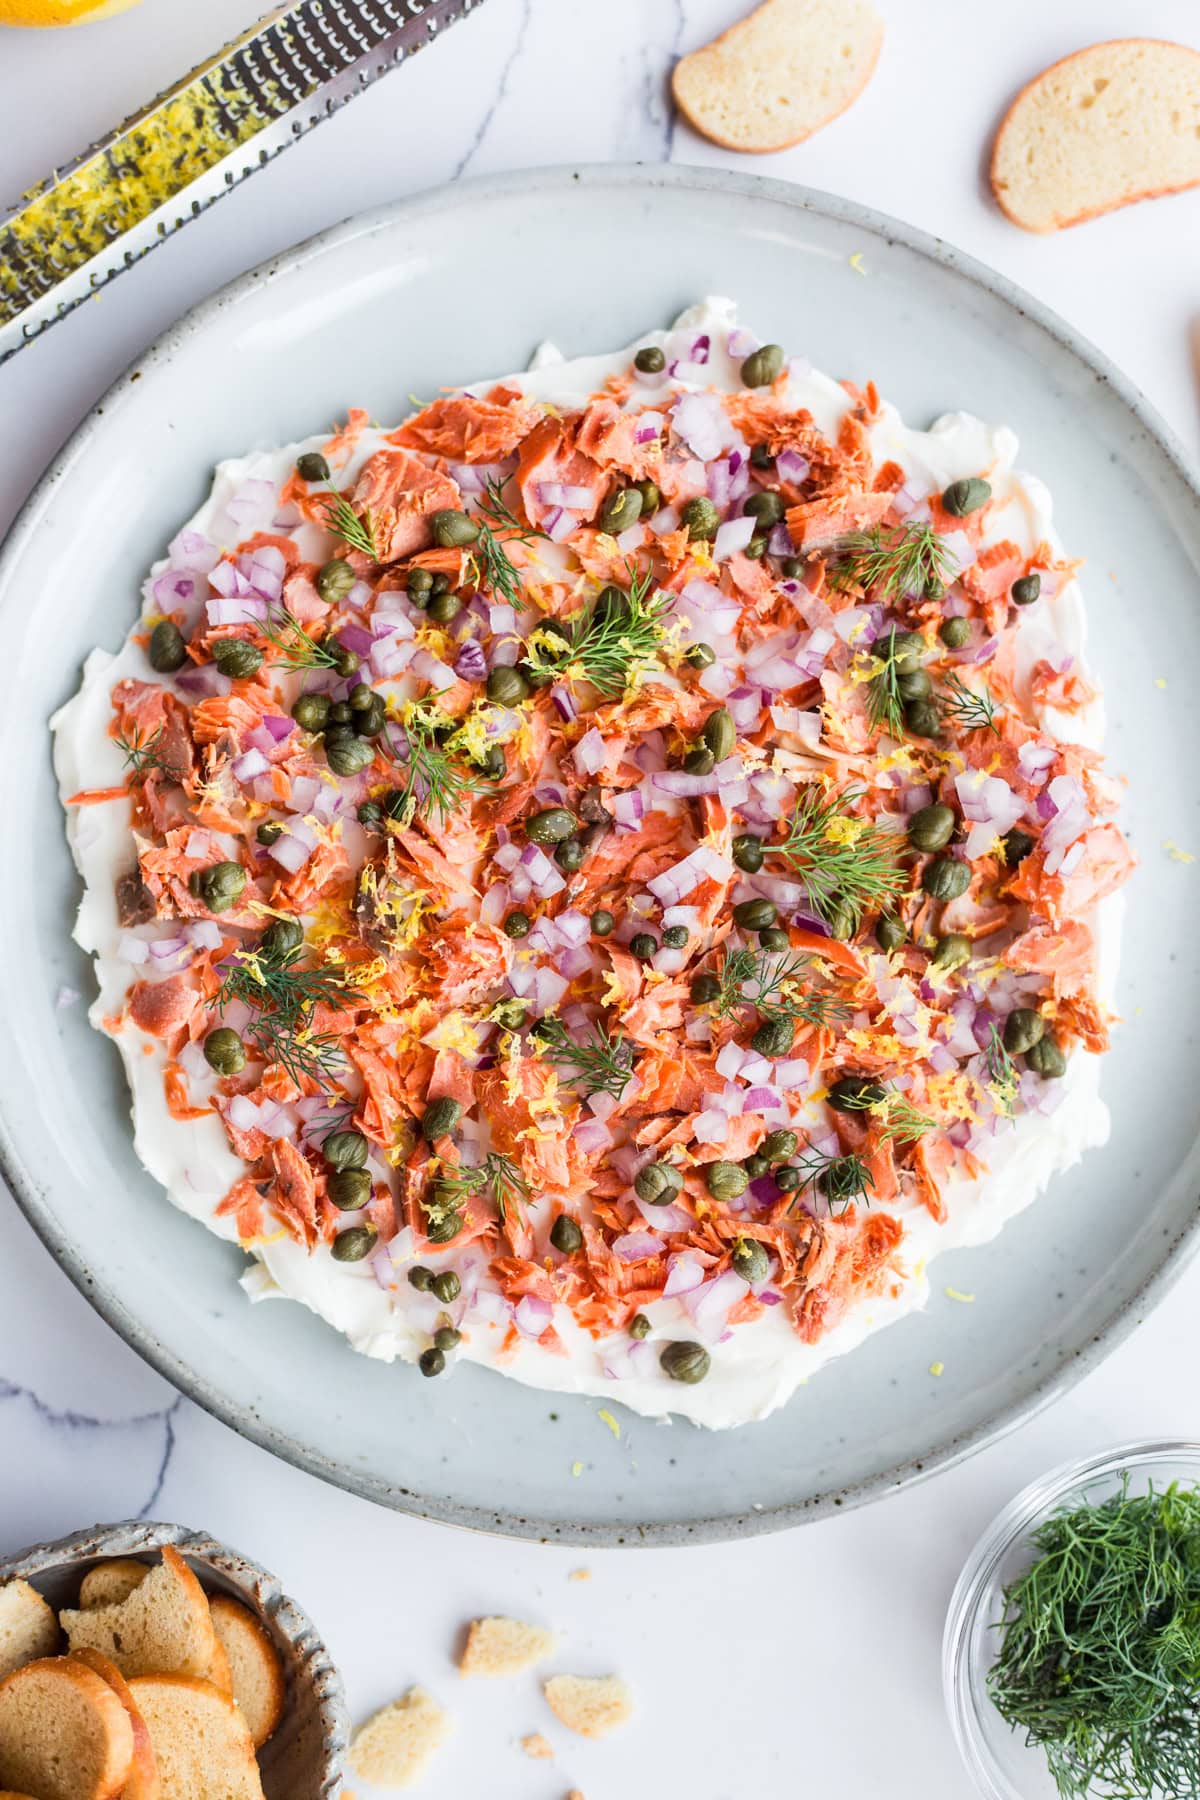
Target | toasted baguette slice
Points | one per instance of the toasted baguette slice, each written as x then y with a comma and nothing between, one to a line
393,1748
9,1794
592,1705
28,1627
504,1647
258,1684
1116,123
201,1741
64,1734
776,77
110,1582
142,1782
162,1627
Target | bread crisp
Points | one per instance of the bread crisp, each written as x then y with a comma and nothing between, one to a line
28,1627
504,1647
592,1705
202,1744
64,1734
779,75
258,1684
1109,125
142,1782
162,1627
394,1747
110,1582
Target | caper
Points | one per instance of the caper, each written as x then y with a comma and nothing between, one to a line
852,1093
747,852
923,719
441,1117
602,922
658,1183
946,878
762,366
311,466
700,656
355,1243
340,713
445,1229
507,686
755,1165
440,584
369,815
569,855
517,924
269,832
452,529
220,886
760,457
344,662
651,498
750,1261
766,506
931,828
345,1150
700,517
444,607
650,360
419,587
964,497
754,915
954,633
720,734
683,1361
639,1326
705,989
370,720
280,939
889,932
311,711
699,761
1023,1028
167,649
788,1179
726,1180
509,1014
1046,1059
777,1146
349,755
237,657
551,826
675,937
773,1037
350,1189
952,951
792,567
1017,846
431,1362
775,938
1025,589
914,684
622,509
445,1285
225,1051
565,1234
494,764
756,548
334,580
841,921
904,648
420,1278
643,946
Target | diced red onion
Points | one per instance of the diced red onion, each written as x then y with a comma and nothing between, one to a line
203,681
427,667
704,425
792,467
761,1099
251,611
132,949
471,664
741,343
248,765
564,702
636,1246
250,499
734,535
959,552
593,1137
590,752
205,934
628,809
665,519
685,1272
290,851
649,427
356,638
532,1315
192,550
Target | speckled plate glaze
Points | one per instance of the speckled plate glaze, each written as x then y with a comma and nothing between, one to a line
394,303
305,1758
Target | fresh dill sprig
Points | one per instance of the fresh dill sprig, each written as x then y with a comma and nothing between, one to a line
885,702
143,754
618,635
283,999
344,522
497,571
1099,1656
435,785
896,1119
841,1179
497,1176
847,865
890,562
972,709
771,983
602,1065
1000,1073
297,647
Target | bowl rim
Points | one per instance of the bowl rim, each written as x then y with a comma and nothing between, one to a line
961,1687
253,1584
564,179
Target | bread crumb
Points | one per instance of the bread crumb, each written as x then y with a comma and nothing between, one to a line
394,1746
580,1575
540,1748
504,1647
591,1705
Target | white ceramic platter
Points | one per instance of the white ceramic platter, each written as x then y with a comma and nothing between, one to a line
447,288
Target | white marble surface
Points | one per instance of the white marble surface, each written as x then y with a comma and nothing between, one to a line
815,1655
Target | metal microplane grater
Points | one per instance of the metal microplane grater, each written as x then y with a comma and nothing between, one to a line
97,216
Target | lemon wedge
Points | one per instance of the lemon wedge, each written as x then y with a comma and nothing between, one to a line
59,12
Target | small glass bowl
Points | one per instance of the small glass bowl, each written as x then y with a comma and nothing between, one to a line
1002,1765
